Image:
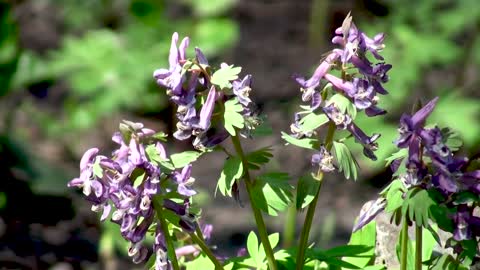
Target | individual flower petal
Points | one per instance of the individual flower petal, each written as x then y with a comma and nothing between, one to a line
369,211
207,110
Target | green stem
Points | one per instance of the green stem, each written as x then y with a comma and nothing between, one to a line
201,243
289,228
404,245
302,246
170,247
262,228
418,247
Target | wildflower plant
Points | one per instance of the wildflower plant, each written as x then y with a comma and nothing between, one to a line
148,192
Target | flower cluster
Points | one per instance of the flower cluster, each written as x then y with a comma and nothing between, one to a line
356,90
195,91
430,164
127,184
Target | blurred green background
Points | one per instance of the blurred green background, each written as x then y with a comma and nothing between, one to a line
71,70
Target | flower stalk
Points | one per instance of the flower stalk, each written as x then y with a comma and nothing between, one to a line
262,228
197,238
418,247
404,245
168,240
302,246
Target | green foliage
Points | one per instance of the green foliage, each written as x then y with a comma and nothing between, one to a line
256,255
365,237
344,104
200,262
232,171
394,195
98,64
225,75
345,160
416,206
272,193
428,245
304,143
333,257
307,187
446,262
232,117
312,121
259,157
210,8
180,160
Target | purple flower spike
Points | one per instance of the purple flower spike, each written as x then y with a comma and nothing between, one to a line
87,159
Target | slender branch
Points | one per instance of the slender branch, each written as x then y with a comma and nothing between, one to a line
201,243
289,227
170,247
302,246
418,247
262,228
404,245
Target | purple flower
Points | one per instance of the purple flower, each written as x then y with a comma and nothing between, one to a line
207,110
410,126
242,89
184,181
87,180
187,219
340,119
172,78
368,212
323,160
325,66
461,218
369,143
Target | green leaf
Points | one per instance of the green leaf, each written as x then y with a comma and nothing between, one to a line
402,153
252,245
259,157
232,170
97,170
304,143
232,116
349,251
200,262
313,121
452,139
345,160
394,196
307,187
439,215
344,104
364,237
466,197
273,238
180,160
417,206
272,193
225,75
